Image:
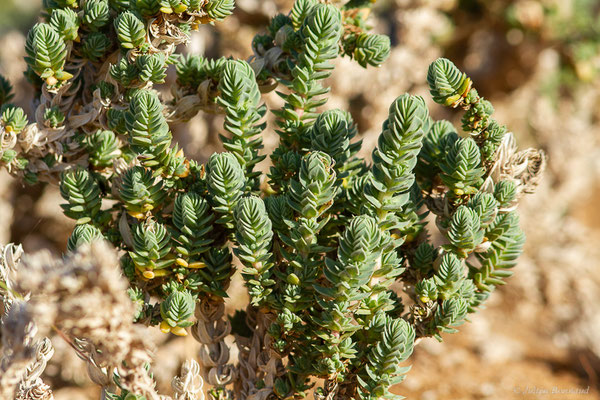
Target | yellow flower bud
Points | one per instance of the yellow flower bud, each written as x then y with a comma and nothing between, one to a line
148,274
181,262
180,8
165,327
136,214
51,81
179,331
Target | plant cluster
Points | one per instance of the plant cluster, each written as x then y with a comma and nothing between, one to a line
322,238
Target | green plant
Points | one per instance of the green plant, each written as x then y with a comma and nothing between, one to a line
321,238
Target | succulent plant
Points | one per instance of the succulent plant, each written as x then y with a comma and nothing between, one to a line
321,238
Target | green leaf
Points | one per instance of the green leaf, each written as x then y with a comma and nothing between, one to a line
66,22
447,84
82,193
96,14
46,53
219,9
13,118
83,234
371,49
130,30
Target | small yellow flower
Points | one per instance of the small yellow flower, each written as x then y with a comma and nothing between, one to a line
179,331
165,327
51,81
136,214
149,274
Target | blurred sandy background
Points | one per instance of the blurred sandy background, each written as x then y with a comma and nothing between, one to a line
539,63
